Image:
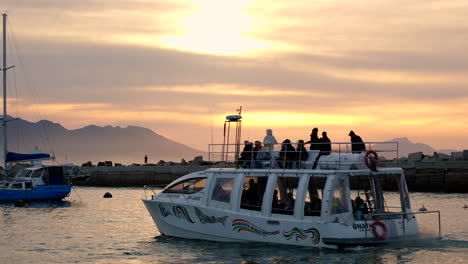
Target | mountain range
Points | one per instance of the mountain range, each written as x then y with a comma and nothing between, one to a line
124,145
127,145
405,147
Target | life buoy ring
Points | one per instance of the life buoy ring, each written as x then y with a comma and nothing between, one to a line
371,158
384,233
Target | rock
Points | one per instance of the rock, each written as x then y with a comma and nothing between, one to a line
160,163
87,164
183,162
465,154
107,195
444,157
170,163
417,156
197,160
457,156
101,164
117,164
135,164
108,163
427,159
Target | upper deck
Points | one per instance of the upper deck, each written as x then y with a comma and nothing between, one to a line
296,156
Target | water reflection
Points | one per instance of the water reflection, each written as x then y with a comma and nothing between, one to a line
120,230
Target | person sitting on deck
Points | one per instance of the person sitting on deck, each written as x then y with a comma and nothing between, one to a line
301,154
246,155
287,155
263,155
256,149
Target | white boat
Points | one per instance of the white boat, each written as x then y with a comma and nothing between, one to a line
304,207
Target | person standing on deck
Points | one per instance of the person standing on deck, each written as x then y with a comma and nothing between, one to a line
271,139
326,144
146,159
357,145
314,140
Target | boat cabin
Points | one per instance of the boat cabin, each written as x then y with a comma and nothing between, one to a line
328,196
43,175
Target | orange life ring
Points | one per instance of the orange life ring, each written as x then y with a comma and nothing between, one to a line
384,229
368,157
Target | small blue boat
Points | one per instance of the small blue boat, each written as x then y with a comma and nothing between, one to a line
37,183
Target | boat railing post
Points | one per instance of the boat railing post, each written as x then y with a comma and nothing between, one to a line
440,227
404,224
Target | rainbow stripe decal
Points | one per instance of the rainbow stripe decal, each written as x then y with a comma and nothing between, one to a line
302,234
181,212
244,225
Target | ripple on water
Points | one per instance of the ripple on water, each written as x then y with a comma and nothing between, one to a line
120,230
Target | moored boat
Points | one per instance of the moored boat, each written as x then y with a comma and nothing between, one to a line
37,183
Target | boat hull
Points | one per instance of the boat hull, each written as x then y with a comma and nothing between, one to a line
38,193
197,222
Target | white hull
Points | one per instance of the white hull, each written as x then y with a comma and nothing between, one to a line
195,222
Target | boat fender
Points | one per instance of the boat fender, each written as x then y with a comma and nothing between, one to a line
107,195
20,203
384,233
370,159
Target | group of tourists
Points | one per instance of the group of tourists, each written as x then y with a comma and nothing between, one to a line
254,154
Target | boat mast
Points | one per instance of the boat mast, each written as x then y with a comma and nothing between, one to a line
4,119
4,69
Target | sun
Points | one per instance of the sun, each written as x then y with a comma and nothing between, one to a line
216,27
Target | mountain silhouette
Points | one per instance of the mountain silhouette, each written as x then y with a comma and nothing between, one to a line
405,147
124,145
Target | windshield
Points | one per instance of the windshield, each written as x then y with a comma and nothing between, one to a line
25,173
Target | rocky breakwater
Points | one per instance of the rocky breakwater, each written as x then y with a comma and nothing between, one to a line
432,173
136,175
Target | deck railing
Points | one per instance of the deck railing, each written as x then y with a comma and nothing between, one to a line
422,225
341,155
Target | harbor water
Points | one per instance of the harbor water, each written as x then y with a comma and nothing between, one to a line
86,228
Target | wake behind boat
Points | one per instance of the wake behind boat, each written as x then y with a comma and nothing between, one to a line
338,203
39,183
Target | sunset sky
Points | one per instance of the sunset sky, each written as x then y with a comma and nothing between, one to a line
384,68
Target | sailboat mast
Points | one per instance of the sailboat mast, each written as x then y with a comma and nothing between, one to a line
4,120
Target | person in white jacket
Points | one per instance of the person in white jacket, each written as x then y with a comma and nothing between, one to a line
269,140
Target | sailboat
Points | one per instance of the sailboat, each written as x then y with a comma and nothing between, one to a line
36,183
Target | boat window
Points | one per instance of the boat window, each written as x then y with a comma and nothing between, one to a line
314,196
284,195
25,173
339,203
222,189
252,192
37,173
367,195
17,186
189,186
28,185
